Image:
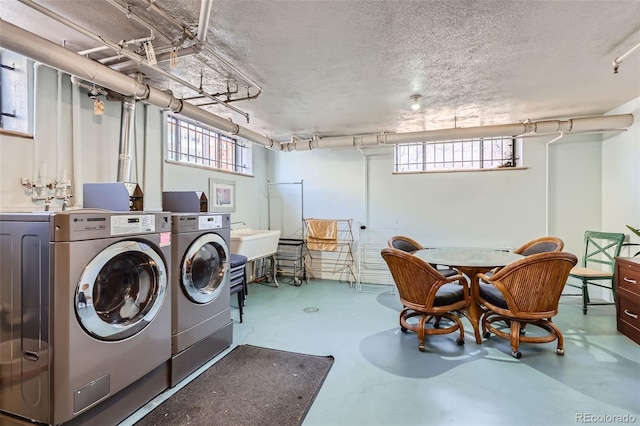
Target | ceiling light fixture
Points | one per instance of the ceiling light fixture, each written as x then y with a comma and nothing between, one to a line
416,102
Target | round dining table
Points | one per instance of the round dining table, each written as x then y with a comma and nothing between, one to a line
469,261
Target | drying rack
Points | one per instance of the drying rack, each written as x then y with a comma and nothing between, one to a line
336,263
291,254
373,272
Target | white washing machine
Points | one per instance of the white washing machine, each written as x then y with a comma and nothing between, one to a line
201,313
86,314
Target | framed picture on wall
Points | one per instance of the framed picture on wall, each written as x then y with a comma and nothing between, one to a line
222,196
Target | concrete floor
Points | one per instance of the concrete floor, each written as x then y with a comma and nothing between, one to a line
380,378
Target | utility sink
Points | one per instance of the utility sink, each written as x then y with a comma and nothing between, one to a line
254,243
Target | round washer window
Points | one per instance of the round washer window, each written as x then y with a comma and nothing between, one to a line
121,290
205,268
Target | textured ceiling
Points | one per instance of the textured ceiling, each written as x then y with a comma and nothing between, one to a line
336,68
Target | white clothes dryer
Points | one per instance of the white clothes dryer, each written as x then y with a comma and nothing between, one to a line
201,313
86,314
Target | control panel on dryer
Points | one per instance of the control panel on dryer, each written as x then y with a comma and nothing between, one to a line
210,222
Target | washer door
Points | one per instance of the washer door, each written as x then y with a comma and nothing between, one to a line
121,290
205,268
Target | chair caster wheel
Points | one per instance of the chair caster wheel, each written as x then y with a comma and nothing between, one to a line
560,351
516,354
297,282
523,331
460,341
421,348
403,329
486,334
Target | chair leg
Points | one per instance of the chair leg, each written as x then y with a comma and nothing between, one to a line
244,280
241,303
558,333
421,324
585,296
515,339
613,288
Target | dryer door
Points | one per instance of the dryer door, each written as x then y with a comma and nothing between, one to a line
121,290
205,268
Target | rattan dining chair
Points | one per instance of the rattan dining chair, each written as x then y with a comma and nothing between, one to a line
538,245
425,293
597,267
410,245
530,290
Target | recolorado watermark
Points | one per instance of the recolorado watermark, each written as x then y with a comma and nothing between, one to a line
605,418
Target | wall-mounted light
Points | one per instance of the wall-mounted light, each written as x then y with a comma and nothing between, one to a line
416,102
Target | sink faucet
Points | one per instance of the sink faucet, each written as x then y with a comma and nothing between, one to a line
240,221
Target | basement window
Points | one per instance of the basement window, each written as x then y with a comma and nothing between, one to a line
16,94
460,154
193,143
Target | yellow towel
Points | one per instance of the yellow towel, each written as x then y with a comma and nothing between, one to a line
322,234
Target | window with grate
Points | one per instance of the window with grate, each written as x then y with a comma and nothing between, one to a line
193,143
460,154
16,93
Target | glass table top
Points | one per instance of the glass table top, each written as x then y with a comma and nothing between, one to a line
467,256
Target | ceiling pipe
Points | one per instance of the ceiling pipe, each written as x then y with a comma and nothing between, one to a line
573,125
153,7
203,23
41,50
140,61
123,43
201,37
130,15
91,88
617,61
127,135
46,52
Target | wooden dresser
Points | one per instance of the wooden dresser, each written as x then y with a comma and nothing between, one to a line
628,296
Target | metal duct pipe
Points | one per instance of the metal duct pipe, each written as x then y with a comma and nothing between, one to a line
152,7
127,123
123,43
130,15
203,29
30,45
139,60
577,125
203,22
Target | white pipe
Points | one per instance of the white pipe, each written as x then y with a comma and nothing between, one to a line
123,43
151,6
139,60
76,144
59,163
127,134
21,41
619,59
130,15
577,125
234,69
90,88
36,134
203,22
165,143
546,212
145,144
